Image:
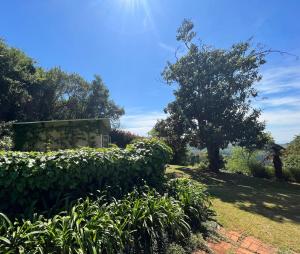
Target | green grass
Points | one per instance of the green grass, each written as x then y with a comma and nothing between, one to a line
265,209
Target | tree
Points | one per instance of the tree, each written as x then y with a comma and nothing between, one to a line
122,138
30,93
275,151
17,78
215,88
172,131
99,103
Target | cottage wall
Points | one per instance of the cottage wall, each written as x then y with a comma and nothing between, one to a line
66,134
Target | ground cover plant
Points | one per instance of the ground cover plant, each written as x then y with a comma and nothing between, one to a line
144,221
35,181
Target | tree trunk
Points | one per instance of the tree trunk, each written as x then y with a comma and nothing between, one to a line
278,166
213,152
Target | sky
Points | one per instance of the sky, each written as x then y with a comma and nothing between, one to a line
128,43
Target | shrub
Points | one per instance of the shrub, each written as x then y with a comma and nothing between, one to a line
249,163
154,220
6,142
238,161
291,168
257,169
35,180
142,222
194,200
174,248
291,160
196,242
122,138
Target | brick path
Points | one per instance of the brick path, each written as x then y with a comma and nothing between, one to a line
239,244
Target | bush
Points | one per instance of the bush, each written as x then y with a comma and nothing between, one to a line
291,169
257,169
174,248
36,181
122,138
196,242
154,221
194,200
6,142
142,222
291,160
249,163
237,162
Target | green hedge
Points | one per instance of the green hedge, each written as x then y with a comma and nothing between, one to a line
37,181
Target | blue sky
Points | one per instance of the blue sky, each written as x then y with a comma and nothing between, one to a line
128,43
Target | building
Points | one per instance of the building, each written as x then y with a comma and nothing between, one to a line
61,134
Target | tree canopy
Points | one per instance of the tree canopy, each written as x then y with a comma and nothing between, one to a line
215,88
30,93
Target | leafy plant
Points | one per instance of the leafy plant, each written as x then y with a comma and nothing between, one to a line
291,160
154,220
194,200
249,162
142,222
33,181
6,142
122,138
174,248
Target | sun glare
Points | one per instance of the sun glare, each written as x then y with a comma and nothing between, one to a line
133,4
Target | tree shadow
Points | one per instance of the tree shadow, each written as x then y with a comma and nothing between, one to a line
279,201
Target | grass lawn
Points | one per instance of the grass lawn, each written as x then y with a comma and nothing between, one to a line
265,209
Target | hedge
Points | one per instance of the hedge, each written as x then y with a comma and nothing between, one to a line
31,181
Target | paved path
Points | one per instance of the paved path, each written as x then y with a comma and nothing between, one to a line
238,243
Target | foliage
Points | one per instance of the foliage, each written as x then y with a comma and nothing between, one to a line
29,93
171,131
293,147
139,222
239,160
249,162
291,160
143,221
213,98
196,242
6,142
174,248
36,180
122,138
17,77
258,169
275,151
154,221
194,200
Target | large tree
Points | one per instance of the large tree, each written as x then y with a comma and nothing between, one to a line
214,90
172,131
17,78
30,93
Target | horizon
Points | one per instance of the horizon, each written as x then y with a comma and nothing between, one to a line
128,43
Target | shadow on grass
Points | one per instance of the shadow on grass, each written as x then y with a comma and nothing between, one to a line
278,201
